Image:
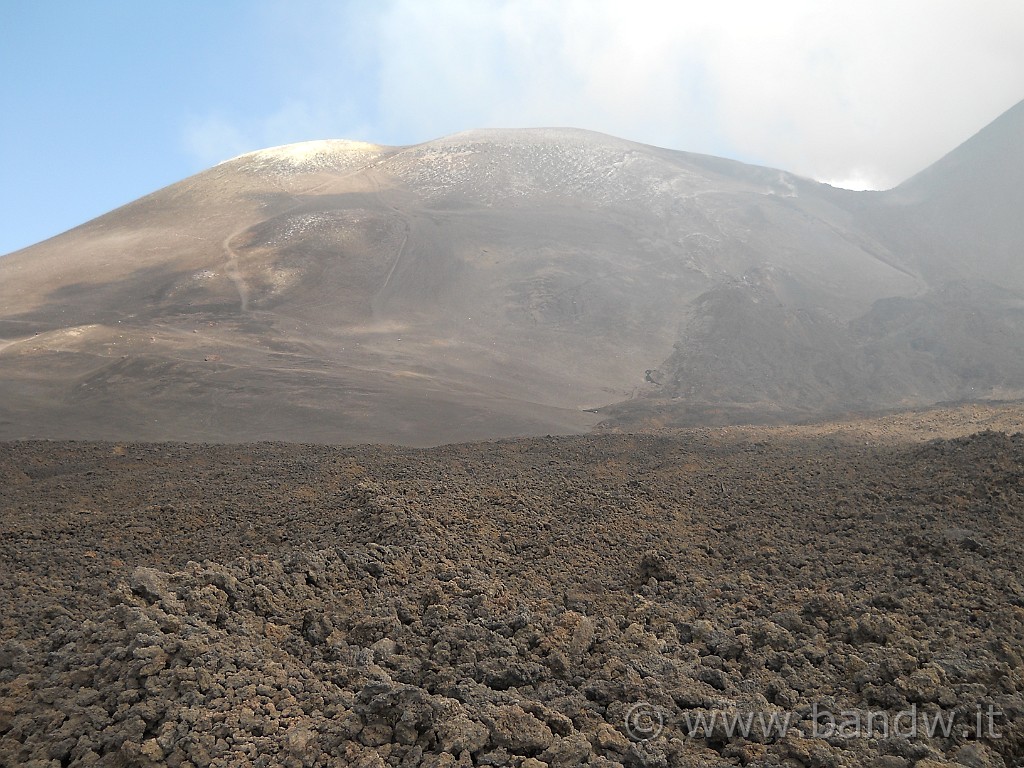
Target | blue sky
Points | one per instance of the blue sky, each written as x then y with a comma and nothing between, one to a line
107,100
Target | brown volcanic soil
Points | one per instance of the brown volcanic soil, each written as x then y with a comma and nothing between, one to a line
508,603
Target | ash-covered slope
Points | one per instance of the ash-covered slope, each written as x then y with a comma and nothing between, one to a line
485,284
960,218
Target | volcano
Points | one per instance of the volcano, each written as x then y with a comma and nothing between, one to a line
515,282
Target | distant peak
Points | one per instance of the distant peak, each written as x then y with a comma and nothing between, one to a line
994,152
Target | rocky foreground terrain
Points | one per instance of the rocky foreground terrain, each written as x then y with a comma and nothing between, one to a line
548,601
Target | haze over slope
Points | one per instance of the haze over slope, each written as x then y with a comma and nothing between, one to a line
510,282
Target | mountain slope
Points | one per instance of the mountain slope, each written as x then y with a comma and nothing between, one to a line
489,283
960,217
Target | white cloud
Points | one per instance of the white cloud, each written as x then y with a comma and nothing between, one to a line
870,92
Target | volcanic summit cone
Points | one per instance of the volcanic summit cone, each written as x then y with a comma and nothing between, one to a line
498,283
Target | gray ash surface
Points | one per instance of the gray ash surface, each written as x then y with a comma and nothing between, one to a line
510,603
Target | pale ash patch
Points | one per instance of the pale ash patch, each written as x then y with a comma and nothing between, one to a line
498,166
311,155
335,225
